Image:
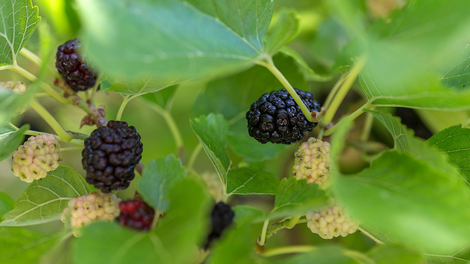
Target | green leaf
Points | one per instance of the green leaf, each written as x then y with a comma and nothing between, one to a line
158,178
241,143
176,40
104,242
455,141
18,22
456,73
250,181
20,245
282,32
404,54
10,139
177,232
391,254
184,227
297,197
405,142
162,98
6,203
244,213
211,131
409,199
45,200
460,256
321,255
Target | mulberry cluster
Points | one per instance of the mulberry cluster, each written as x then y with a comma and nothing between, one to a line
136,215
214,185
275,117
312,161
331,222
95,206
110,156
36,157
72,66
221,218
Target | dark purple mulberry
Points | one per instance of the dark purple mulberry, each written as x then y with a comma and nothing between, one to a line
275,117
110,156
221,218
73,68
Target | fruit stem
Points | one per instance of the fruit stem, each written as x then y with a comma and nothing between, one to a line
367,127
343,90
371,236
262,239
287,250
333,91
51,121
275,71
171,124
70,149
350,117
74,141
293,221
43,85
36,60
125,101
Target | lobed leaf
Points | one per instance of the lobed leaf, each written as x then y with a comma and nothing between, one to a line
176,40
211,131
323,255
10,139
249,181
391,254
45,200
19,19
282,32
157,180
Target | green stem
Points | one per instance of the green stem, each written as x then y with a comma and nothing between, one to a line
194,155
272,68
74,141
367,127
70,149
343,90
36,60
287,250
125,101
371,236
51,121
333,91
351,117
262,238
293,221
171,124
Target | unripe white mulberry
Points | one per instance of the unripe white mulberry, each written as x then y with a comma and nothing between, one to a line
214,185
331,222
36,157
312,161
18,87
95,206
